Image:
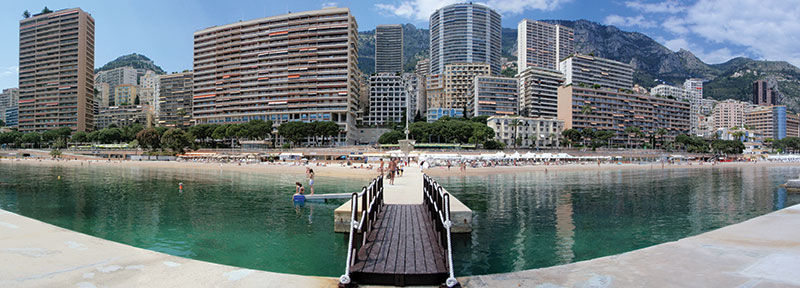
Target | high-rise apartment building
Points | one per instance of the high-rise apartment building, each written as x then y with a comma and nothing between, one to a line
609,105
421,71
126,94
769,121
465,33
115,77
765,93
458,79
9,100
434,86
792,125
730,113
387,99
148,89
596,72
103,98
56,71
411,84
538,92
175,100
694,87
543,45
669,91
689,93
301,66
389,48
493,96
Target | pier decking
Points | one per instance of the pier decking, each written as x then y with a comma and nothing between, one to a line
400,233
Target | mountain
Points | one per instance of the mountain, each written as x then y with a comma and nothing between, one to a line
137,61
654,63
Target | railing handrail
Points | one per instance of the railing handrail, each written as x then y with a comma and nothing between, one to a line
438,201
372,199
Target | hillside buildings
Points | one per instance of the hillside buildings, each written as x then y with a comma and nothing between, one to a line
765,93
387,99
149,89
115,77
175,100
493,96
458,79
126,94
543,45
56,71
421,70
121,116
598,99
435,113
294,67
730,113
389,48
526,132
9,99
538,92
465,33
103,98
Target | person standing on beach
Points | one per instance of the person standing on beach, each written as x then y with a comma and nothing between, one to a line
381,169
310,175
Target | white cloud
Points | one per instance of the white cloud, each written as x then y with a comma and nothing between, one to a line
670,6
675,25
9,71
634,21
329,4
420,10
714,56
769,29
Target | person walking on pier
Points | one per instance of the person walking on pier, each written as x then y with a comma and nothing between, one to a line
392,170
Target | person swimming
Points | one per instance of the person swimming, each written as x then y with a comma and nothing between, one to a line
298,193
310,175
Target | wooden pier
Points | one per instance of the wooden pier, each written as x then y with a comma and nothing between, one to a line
403,243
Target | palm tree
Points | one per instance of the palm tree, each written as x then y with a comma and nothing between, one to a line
660,134
631,131
514,124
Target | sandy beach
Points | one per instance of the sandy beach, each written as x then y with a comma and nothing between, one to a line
442,171
336,170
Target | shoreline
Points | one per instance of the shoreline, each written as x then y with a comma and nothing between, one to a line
482,171
335,170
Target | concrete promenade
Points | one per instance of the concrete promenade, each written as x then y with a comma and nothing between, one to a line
408,190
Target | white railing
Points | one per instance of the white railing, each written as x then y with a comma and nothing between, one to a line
371,202
438,202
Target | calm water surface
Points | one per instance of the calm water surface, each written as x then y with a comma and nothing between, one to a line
522,221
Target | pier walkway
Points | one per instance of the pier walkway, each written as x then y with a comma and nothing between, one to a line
400,233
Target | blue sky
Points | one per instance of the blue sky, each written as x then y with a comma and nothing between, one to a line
714,30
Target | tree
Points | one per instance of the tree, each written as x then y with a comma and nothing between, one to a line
80,137
660,135
175,139
2,123
328,129
514,124
110,135
727,147
149,139
492,145
391,137
294,131
26,14
32,138
46,10
632,131
60,143
10,137
572,136
55,153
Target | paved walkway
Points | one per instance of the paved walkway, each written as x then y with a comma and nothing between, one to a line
760,252
37,254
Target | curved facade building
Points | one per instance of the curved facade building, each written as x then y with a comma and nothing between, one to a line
465,33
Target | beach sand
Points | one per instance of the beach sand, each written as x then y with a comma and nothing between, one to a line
337,171
334,170
454,171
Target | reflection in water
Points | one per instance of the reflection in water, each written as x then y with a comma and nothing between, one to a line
529,220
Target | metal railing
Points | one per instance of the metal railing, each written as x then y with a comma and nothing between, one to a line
371,203
437,200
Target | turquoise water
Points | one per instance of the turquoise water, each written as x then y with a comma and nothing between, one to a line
531,220
522,221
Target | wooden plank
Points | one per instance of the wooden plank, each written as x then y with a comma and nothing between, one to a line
392,255
419,256
366,258
427,250
378,256
409,240
437,249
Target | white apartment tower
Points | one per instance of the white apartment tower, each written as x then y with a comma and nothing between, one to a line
543,45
